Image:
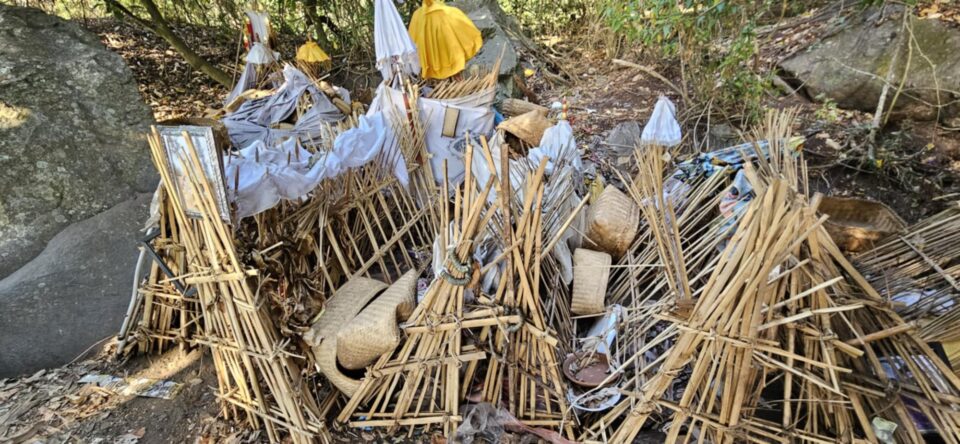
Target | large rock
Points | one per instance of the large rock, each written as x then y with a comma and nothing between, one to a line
850,66
73,294
71,125
493,24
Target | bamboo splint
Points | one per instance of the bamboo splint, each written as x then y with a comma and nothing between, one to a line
424,388
256,375
918,270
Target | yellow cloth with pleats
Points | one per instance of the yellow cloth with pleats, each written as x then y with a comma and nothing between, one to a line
311,52
445,39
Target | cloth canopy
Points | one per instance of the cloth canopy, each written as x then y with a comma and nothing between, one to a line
445,39
311,52
392,42
256,119
264,175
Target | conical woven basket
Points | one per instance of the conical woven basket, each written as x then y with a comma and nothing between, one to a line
855,224
612,222
591,273
375,331
345,304
528,127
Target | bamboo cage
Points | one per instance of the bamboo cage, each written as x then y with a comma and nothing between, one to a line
419,384
918,270
256,373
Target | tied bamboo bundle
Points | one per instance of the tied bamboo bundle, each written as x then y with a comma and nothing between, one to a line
731,334
419,383
638,281
526,358
919,269
161,313
479,80
807,321
255,372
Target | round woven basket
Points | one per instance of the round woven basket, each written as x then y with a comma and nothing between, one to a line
591,272
612,222
855,224
345,304
374,331
528,127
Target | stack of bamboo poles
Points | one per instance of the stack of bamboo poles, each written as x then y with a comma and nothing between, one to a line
526,357
257,372
786,341
420,382
478,80
919,270
161,314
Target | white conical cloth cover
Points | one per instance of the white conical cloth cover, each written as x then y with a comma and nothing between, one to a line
261,54
392,41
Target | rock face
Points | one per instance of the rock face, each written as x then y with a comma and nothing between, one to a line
493,23
71,125
850,67
72,162
73,294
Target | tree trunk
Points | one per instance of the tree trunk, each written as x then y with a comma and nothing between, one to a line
161,28
158,25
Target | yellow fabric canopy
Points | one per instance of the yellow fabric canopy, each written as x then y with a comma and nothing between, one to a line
445,39
311,52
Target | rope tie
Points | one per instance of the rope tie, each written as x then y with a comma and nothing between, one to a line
462,268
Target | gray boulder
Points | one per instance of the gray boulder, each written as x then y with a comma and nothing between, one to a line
71,126
624,137
493,24
73,294
851,65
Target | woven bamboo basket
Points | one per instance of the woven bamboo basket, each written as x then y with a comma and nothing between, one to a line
375,331
591,272
341,309
612,222
855,224
528,127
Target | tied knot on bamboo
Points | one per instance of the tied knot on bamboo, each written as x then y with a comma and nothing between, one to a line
644,408
461,268
736,431
514,327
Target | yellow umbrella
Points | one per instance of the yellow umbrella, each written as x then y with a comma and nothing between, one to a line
311,52
311,57
445,39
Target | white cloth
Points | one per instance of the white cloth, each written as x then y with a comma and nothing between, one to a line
476,117
662,129
247,80
261,54
255,119
393,44
559,146
260,24
260,176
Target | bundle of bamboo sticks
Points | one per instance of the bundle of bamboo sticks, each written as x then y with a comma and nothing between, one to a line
162,314
257,372
420,382
918,270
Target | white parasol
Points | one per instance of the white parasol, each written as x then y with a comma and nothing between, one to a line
392,41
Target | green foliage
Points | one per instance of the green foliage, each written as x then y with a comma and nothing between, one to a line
549,18
828,111
714,40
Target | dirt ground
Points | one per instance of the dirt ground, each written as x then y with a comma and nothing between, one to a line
53,407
